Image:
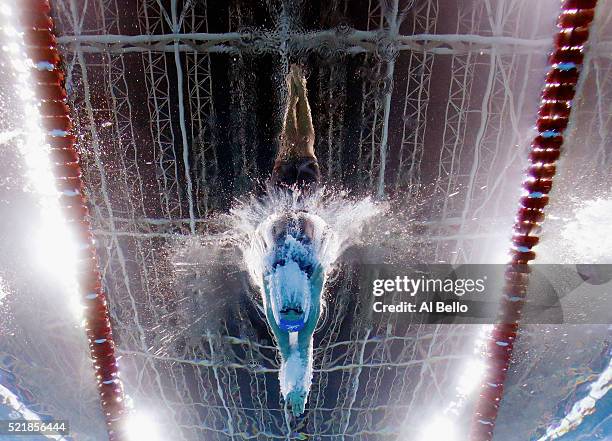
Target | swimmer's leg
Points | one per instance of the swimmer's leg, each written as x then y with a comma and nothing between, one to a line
289,134
296,165
305,129
297,138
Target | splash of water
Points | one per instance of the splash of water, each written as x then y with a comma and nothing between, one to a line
582,408
337,222
588,234
9,135
238,239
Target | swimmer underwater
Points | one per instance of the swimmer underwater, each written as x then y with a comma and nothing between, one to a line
293,278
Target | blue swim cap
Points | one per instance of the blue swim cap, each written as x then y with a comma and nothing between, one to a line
292,325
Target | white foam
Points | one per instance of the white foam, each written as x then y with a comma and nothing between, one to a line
288,284
337,223
589,233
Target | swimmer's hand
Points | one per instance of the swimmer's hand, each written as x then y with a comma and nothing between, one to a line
297,400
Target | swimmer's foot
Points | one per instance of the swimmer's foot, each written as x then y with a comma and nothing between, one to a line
298,80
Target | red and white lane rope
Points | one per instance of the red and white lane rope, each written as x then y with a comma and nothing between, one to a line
553,117
37,26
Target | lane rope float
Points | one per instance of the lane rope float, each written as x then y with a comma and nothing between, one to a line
553,116
41,46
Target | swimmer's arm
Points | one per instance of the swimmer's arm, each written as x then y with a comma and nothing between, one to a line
305,340
282,337
298,376
317,281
